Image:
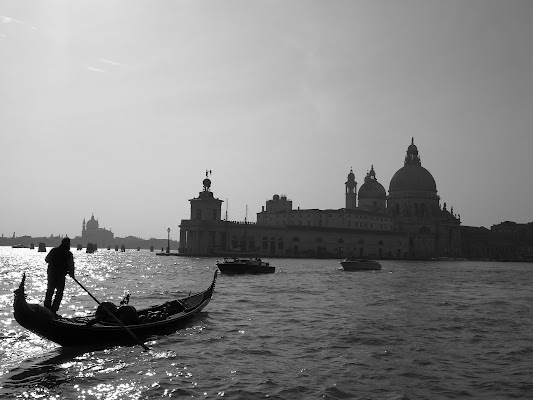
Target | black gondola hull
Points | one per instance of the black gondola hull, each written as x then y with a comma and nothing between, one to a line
70,332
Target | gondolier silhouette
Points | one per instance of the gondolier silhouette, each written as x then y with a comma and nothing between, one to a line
60,263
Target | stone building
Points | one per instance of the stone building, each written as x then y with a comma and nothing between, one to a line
92,233
414,206
408,223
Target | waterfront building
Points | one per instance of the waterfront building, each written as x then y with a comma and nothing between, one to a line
506,241
414,206
92,233
408,223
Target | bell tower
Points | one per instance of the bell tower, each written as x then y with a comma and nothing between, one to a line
351,191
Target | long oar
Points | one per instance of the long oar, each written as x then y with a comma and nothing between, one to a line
114,317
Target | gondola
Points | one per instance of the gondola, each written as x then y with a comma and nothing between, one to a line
98,329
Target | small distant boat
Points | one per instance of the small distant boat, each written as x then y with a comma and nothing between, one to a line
42,247
20,246
245,266
359,264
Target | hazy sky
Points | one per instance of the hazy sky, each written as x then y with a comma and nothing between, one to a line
117,108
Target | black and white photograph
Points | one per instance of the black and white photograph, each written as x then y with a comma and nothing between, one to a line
266,199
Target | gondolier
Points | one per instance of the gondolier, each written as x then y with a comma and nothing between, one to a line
60,263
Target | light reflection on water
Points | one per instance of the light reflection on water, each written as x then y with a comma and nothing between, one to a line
412,330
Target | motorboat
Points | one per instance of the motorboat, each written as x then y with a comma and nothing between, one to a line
237,265
359,264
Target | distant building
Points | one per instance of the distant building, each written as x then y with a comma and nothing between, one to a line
92,233
408,223
506,241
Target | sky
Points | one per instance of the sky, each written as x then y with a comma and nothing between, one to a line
116,108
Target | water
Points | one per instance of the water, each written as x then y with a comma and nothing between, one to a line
414,330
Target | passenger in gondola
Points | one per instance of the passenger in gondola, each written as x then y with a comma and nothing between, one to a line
60,263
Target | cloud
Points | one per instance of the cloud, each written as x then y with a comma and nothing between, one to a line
104,61
8,20
93,69
110,62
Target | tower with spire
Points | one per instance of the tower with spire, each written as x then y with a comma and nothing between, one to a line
351,191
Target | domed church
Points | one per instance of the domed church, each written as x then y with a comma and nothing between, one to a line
407,223
92,233
414,205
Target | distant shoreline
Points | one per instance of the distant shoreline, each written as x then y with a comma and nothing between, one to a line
129,242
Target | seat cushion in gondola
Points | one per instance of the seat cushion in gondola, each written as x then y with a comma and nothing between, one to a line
127,315
102,312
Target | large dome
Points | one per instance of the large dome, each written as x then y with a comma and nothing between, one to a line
92,223
413,177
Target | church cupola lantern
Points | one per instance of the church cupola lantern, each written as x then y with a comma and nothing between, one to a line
412,157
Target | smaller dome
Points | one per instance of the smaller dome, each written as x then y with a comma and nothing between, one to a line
372,189
207,183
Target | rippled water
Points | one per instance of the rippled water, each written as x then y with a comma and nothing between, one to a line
414,330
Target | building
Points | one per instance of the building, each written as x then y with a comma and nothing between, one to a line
408,223
92,233
414,206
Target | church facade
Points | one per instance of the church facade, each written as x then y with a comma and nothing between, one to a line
408,223
92,233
